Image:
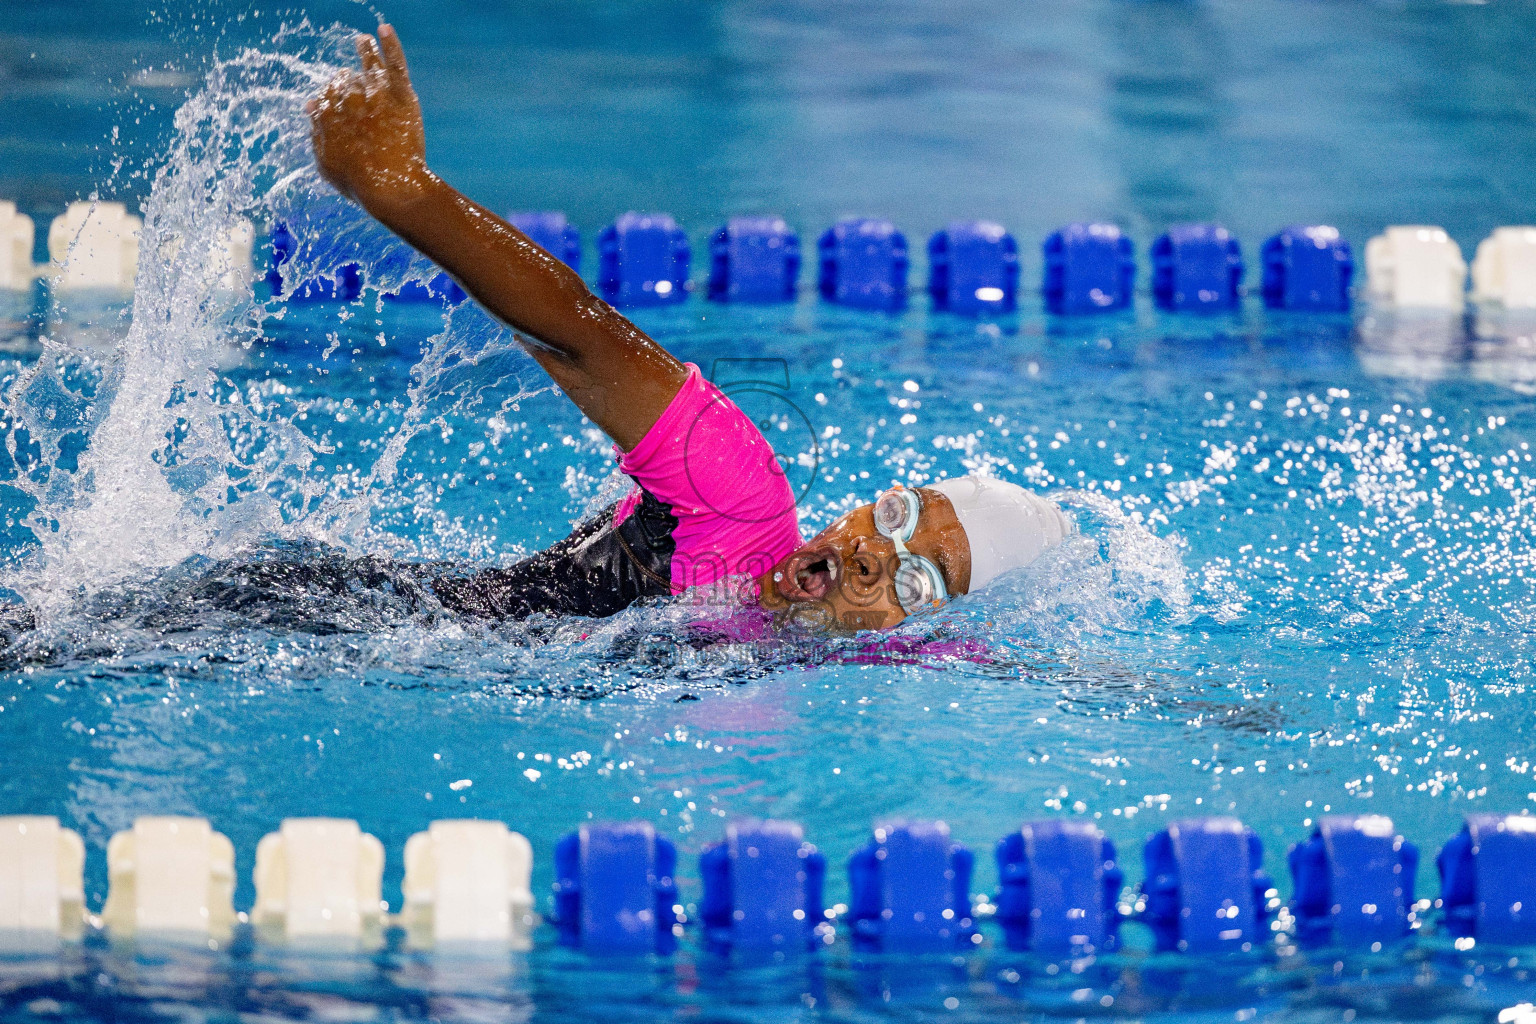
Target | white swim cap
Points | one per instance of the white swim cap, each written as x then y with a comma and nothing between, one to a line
1008,526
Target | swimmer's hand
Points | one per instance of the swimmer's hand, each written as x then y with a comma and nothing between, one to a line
367,130
368,144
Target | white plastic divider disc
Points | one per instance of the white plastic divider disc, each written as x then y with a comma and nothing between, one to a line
1519,267
94,245
172,868
16,237
323,859
1505,268
234,261
29,874
1417,266
474,881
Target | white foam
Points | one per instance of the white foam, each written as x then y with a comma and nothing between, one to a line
1113,573
177,464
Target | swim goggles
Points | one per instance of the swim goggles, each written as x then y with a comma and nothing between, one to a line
919,583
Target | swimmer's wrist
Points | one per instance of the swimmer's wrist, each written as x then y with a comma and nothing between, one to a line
399,199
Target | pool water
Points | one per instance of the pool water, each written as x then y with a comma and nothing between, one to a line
1302,585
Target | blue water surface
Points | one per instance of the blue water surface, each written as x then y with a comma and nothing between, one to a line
1302,585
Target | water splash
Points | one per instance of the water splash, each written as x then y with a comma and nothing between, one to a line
1113,575
171,500
139,458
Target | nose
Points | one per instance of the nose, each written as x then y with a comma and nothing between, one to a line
877,546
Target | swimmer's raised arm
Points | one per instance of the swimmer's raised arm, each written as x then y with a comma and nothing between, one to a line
369,144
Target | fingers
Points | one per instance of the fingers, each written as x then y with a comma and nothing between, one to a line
335,91
345,90
394,61
343,96
375,75
383,67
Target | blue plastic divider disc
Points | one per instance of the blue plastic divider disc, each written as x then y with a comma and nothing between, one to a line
767,884
1215,884
1066,874
1365,872
916,884
618,911
1505,848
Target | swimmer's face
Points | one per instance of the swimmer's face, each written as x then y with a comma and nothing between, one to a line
844,579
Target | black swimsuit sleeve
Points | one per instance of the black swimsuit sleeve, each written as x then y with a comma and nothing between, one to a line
599,570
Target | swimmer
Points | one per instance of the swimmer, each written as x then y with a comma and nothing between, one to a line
711,502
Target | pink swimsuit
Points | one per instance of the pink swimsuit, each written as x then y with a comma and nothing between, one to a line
712,503
706,460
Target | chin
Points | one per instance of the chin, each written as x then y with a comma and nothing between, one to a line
823,617
855,622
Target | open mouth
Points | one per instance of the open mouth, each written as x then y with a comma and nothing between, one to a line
808,575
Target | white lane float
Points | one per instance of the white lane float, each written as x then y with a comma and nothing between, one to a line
170,877
1504,269
467,882
94,246
42,889
16,237
1416,267
319,880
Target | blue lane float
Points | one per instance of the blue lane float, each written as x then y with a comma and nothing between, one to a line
1058,888
1089,268
615,890
863,263
440,288
345,285
643,260
551,232
1197,268
1205,889
973,267
762,889
1307,268
754,259
910,890
1488,879
1353,881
